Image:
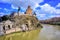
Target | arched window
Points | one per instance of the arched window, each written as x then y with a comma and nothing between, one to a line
9,26
3,27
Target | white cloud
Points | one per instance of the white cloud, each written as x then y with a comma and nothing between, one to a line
58,5
38,1
6,9
45,10
36,5
57,11
13,7
1,14
23,3
55,16
41,15
48,9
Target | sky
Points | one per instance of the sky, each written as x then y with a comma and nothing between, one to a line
44,9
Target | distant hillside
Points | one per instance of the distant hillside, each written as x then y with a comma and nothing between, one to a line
55,20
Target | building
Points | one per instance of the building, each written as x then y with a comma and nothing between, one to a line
29,10
5,26
8,26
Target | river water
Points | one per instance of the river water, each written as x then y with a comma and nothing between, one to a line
49,32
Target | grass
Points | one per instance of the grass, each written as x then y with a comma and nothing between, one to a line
29,35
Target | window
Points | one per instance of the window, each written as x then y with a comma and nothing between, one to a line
3,27
9,26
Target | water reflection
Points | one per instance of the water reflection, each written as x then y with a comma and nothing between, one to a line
30,35
50,32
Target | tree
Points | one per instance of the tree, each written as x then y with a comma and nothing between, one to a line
5,17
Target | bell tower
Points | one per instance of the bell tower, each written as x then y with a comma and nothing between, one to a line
29,10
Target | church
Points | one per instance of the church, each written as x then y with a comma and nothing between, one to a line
29,11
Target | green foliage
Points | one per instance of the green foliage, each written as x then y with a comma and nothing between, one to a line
5,17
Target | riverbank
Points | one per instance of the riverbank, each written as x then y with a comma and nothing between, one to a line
50,24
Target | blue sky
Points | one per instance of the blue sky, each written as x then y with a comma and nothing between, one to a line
44,9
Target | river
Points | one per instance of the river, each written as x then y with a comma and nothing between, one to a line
49,32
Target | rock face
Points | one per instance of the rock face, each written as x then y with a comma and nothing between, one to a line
19,23
26,22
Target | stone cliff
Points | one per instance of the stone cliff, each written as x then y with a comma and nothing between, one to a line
29,21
